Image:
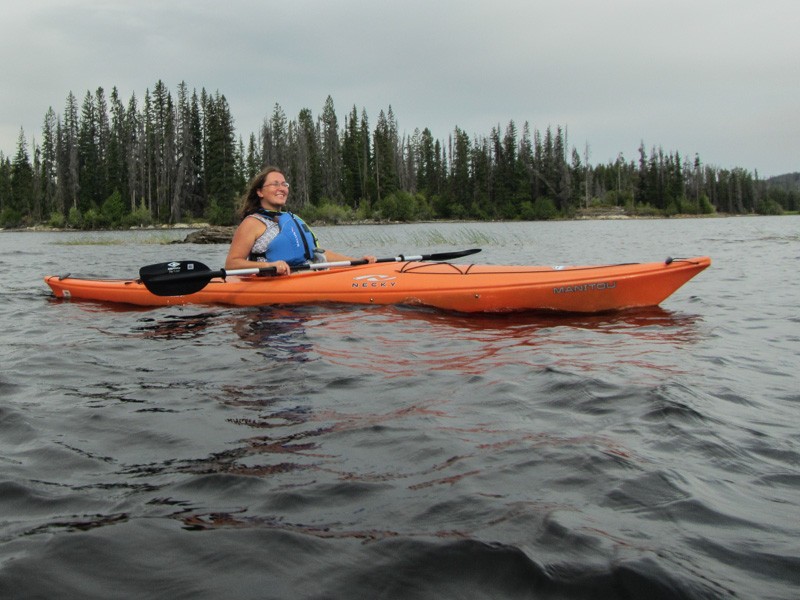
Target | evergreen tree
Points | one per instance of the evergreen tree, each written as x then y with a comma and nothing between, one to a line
103,142
527,166
133,142
37,200
253,160
196,194
117,148
19,204
89,159
330,155
384,149
460,200
163,152
483,181
68,155
505,171
642,192
358,165
550,167
53,202
278,153
352,188
580,191
223,182
5,184
186,157
410,154
303,166
147,154
366,161
427,171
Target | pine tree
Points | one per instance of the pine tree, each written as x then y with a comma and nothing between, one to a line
89,159
5,185
427,175
68,156
279,152
642,191
366,161
483,181
19,209
460,201
187,156
384,149
163,152
506,171
133,143
103,142
223,182
562,181
117,148
303,166
253,160
330,155
351,160
526,158
196,195
53,202
409,155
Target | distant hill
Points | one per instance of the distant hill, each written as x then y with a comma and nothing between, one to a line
789,182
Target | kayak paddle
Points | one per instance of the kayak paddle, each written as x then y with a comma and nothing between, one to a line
180,278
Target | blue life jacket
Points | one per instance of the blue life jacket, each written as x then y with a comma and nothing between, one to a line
294,243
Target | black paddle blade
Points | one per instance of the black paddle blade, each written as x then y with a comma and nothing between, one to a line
450,255
176,278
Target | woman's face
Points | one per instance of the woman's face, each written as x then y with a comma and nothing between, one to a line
274,192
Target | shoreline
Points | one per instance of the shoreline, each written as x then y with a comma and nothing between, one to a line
202,226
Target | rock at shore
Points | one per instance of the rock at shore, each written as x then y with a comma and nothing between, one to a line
211,235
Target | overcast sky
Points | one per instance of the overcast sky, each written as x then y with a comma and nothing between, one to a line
720,78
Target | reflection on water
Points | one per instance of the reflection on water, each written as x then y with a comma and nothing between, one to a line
180,327
399,342
403,341
278,333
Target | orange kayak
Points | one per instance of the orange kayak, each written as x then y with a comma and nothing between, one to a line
463,288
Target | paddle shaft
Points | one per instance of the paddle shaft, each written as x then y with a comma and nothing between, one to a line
187,277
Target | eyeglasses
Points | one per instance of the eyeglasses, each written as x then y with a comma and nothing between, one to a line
277,184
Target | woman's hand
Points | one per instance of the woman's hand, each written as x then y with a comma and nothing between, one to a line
281,267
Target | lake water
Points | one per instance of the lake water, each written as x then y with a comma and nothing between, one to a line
365,452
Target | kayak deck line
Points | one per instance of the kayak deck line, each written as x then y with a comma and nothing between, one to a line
411,267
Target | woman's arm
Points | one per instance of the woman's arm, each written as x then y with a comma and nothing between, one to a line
243,239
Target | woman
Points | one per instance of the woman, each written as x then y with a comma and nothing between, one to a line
270,237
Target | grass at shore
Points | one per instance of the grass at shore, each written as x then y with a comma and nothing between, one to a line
89,240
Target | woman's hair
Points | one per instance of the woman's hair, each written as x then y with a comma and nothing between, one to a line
251,201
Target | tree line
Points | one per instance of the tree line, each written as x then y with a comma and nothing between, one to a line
170,158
